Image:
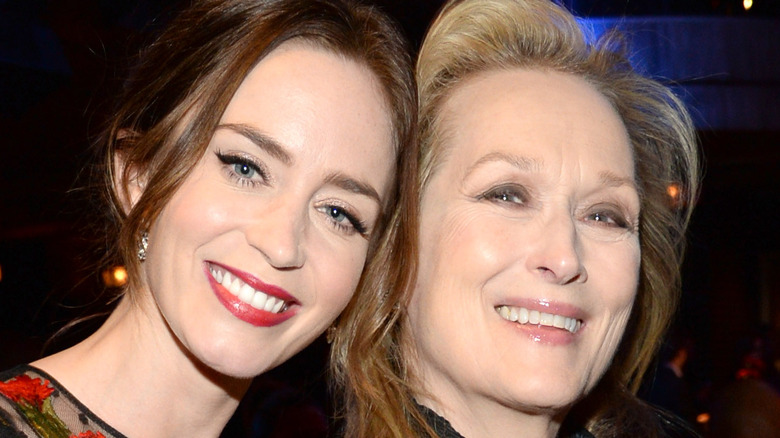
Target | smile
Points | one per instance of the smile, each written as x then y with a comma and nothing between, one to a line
521,315
246,293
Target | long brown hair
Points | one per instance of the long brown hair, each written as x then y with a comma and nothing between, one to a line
176,94
473,36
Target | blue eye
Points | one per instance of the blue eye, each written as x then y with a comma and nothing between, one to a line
344,221
337,214
244,170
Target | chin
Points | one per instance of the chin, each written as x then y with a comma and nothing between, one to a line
229,360
540,396
235,368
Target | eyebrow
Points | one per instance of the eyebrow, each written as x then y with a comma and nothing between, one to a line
613,180
524,164
262,141
352,185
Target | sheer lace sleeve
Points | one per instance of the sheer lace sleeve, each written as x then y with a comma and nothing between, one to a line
33,404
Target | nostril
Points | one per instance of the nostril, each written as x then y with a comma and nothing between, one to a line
564,275
546,273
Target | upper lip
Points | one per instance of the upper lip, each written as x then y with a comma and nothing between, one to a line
258,284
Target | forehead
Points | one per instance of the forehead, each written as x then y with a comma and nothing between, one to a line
301,88
321,108
310,67
533,112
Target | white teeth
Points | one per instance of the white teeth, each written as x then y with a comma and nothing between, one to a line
245,290
522,315
235,286
269,304
246,293
258,301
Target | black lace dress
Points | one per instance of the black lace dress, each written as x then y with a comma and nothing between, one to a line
33,404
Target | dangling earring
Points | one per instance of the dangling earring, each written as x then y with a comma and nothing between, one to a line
142,246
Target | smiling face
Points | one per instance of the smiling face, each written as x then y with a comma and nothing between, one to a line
263,244
529,252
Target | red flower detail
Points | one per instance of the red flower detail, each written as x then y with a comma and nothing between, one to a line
23,388
88,434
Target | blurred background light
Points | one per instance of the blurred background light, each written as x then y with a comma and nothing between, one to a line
115,276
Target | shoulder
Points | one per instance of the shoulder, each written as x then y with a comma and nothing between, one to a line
13,372
33,404
16,387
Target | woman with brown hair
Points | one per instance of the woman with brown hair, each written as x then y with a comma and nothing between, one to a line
549,248
250,170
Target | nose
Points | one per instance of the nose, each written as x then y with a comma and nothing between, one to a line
278,232
556,252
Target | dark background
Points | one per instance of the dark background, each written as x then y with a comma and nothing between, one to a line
60,61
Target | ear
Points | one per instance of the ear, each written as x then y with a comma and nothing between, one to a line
129,182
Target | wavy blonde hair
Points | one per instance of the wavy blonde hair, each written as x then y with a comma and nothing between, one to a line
475,36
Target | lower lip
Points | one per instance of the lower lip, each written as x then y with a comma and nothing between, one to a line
244,311
543,334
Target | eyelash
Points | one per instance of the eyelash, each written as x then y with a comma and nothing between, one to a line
232,160
506,194
612,218
356,225
517,196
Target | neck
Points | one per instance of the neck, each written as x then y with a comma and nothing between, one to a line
134,375
487,418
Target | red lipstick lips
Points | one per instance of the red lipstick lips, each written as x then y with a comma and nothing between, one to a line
244,311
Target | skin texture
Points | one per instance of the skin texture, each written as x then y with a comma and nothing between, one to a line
276,215
278,226
533,205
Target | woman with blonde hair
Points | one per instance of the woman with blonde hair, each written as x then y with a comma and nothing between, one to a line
249,171
535,288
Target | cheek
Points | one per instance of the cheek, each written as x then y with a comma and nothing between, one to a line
197,219
618,281
615,273
201,206
337,271
462,246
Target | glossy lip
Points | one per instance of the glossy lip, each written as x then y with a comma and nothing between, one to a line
244,311
543,334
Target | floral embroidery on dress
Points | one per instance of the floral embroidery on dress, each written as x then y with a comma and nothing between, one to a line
33,398
89,434
23,389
